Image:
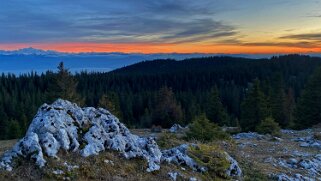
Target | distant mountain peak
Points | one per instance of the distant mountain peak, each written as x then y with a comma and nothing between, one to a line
29,51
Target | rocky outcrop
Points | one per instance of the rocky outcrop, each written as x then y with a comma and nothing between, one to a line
65,126
88,131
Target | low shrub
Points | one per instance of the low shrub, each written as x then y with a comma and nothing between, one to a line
203,130
268,126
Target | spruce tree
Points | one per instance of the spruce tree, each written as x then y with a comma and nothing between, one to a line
308,111
277,100
254,108
64,86
111,103
166,111
289,107
215,110
14,130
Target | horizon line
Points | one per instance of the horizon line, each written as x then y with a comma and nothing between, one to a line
153,53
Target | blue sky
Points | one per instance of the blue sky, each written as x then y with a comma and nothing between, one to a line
222,23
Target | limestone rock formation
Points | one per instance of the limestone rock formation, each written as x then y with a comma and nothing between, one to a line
64,125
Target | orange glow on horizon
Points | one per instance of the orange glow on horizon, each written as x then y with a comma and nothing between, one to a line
160,48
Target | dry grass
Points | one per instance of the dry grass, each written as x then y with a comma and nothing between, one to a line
90,168
252,157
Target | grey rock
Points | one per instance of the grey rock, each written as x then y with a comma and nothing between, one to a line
234,169
249,135
59,125
178,155
173,175
176,128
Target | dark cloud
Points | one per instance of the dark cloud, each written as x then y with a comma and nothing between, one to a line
304,36
167,21
299,44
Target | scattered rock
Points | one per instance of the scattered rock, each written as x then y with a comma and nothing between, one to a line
178,155
309,141
296,177
243,145
173,175
312,165
176,128
269,160
287,131
58,172
293,161
70,167
109,162
249,135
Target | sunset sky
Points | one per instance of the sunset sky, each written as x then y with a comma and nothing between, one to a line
162,26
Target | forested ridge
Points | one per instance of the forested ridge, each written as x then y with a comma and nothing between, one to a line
230,91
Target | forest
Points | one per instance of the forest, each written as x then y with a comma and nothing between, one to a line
234,92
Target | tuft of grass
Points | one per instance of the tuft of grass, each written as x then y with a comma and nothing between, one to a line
211,157
168,140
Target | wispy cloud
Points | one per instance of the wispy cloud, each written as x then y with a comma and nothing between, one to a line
304,36
167,21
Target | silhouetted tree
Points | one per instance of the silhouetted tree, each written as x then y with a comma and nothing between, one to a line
166,111
277,100
215,110
64,85
254,108
111,103
308,110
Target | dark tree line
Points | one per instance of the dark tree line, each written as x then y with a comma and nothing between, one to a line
230,91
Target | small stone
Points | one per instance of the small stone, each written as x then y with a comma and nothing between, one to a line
109,162
173,175
304,144
58,172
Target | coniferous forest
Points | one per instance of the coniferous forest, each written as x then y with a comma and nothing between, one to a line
236,92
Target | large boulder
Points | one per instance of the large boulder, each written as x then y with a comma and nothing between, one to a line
65,126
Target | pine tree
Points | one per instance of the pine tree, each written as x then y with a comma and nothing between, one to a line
166,111
277,100
64,86
254,108
111,103
289,107
215,110
14,130
146,119
308,111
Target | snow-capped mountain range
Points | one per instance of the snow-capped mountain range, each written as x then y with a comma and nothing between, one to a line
29,51
30,59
